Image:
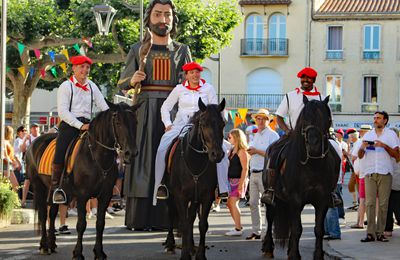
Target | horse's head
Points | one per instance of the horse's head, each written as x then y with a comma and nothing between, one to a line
314,123
211,129
123,125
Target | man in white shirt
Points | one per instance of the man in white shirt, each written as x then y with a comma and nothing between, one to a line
291,107
264,137
378,147
75,100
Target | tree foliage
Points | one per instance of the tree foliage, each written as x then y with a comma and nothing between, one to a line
56,25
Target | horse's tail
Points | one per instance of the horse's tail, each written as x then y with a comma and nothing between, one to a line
281,222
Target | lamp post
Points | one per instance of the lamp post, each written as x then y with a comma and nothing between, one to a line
3,78
218,59
104,15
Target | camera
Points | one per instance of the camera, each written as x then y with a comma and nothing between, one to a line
370,142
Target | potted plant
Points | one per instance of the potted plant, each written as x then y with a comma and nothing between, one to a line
8,201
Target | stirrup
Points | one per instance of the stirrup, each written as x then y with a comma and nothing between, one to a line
268,197
159,191
56,196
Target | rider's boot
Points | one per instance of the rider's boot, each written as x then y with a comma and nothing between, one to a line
59,196
162,192
336,201
268,195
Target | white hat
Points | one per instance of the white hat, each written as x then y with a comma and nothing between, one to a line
261,112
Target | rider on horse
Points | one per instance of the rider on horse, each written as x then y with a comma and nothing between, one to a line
186,95
75,99
291,106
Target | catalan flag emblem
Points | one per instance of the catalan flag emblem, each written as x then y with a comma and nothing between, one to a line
162,68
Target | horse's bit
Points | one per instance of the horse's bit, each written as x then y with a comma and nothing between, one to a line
324,150
116,147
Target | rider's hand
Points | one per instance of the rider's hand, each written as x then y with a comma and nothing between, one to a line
252,150
137,77
168,128
84,127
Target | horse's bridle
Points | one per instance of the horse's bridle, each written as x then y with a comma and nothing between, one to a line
203,143
324,150
117,147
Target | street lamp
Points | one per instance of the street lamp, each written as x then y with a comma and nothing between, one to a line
218,59
3,79
104,15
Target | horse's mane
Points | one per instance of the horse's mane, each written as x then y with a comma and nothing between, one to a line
195,119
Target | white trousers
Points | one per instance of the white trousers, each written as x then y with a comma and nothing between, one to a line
166,139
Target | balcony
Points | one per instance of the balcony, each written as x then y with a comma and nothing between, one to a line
369,107
253,101
264,47
334,54
371,55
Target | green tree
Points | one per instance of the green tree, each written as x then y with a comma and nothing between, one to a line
56,25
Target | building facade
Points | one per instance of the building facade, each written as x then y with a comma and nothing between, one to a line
353,44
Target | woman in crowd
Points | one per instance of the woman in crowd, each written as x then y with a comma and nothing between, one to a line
10,162
237,173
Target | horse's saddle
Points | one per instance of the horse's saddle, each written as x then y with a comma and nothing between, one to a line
171,152
48,157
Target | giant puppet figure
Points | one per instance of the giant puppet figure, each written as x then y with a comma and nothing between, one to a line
162,72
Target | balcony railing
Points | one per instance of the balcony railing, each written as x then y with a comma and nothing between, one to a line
253,101
262,46
371,55
334,55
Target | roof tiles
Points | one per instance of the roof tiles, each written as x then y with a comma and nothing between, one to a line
359,6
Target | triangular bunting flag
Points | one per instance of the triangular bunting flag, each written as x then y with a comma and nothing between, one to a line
64,67
77,48
21,48
43,73
237,121
65,52
54,71
87,41
243,112
82,51
22,70
37,53
233,114
31,72
7,69
7,39
52,57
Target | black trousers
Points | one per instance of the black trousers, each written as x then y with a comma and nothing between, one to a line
66,134
393,207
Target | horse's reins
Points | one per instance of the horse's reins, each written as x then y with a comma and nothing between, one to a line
324,151
116,147
195,177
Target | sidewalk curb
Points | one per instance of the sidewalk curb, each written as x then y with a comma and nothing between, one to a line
333,254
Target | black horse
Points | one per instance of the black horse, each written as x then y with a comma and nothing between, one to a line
193,177
310,174
94,173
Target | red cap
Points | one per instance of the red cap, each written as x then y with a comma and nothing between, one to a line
340,131
77,60
192,66
351,131
307,71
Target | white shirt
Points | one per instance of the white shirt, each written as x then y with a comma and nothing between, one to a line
261,141
17,148
338,148
358,162
378,160
81,102
187,102
295,105
396,175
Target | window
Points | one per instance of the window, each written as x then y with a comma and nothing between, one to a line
370,97
254,35
335,39
334,90
277,44
372,42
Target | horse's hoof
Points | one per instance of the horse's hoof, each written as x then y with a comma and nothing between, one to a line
268,255
44,251
170,251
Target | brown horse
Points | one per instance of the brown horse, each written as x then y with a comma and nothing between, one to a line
193,177
94,173
310,175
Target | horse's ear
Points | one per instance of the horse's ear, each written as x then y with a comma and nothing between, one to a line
135,107
202,106
305,99
326,100
221,105
110,104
